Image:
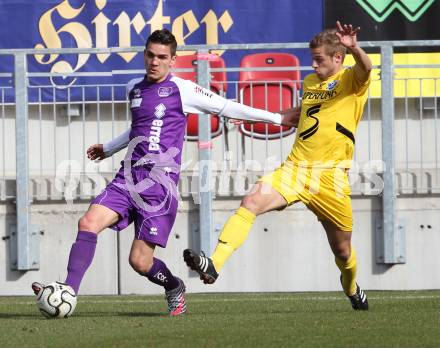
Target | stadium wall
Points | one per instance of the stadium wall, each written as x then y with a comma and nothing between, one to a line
286,251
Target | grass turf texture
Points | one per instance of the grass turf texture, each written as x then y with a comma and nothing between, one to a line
395,319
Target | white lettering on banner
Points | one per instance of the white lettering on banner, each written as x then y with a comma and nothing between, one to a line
366,177
183,26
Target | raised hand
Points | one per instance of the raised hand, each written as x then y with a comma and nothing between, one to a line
347,34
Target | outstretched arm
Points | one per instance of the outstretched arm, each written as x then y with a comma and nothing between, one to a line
348,37
289,117
196,99
243,112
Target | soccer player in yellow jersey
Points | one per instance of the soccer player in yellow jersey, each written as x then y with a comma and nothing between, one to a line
315,171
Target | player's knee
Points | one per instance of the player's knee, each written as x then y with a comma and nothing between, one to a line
251,204
342,253
140,265
88,223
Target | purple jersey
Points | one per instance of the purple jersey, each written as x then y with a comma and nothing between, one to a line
145,188
159,118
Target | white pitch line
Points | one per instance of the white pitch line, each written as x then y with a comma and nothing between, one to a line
274,299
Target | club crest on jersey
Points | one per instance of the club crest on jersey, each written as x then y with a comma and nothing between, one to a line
164,91
332,85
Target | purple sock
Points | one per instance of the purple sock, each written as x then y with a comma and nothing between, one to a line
80,258
161,275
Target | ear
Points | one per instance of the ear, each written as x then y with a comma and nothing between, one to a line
339,58
173,60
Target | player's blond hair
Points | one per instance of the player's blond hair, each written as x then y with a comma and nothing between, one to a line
330,41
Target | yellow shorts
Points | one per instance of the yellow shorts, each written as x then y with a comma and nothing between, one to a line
325,191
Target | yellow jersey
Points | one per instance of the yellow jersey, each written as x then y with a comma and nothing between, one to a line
330,112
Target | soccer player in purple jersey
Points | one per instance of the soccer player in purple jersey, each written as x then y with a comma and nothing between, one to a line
144,190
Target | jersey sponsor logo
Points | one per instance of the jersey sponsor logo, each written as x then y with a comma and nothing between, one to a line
164,91
313,129
156,128
136,102
160,110
137,98
154,138
203,91
331,85
162,277
153,231
319,95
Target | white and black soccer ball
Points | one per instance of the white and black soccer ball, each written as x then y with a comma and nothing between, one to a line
56,300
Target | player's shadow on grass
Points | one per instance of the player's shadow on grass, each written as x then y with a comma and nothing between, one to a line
100,314
142,314
20,316
33,316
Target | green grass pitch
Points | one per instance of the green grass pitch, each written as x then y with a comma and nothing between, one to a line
396,319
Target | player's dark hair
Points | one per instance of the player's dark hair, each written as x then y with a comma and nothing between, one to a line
164,37
330,41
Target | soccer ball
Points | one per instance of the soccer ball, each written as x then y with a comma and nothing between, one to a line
56,300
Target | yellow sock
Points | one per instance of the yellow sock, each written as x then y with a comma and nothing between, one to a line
233,235
348,271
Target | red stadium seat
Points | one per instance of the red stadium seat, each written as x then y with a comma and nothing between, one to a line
269,90
217,84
